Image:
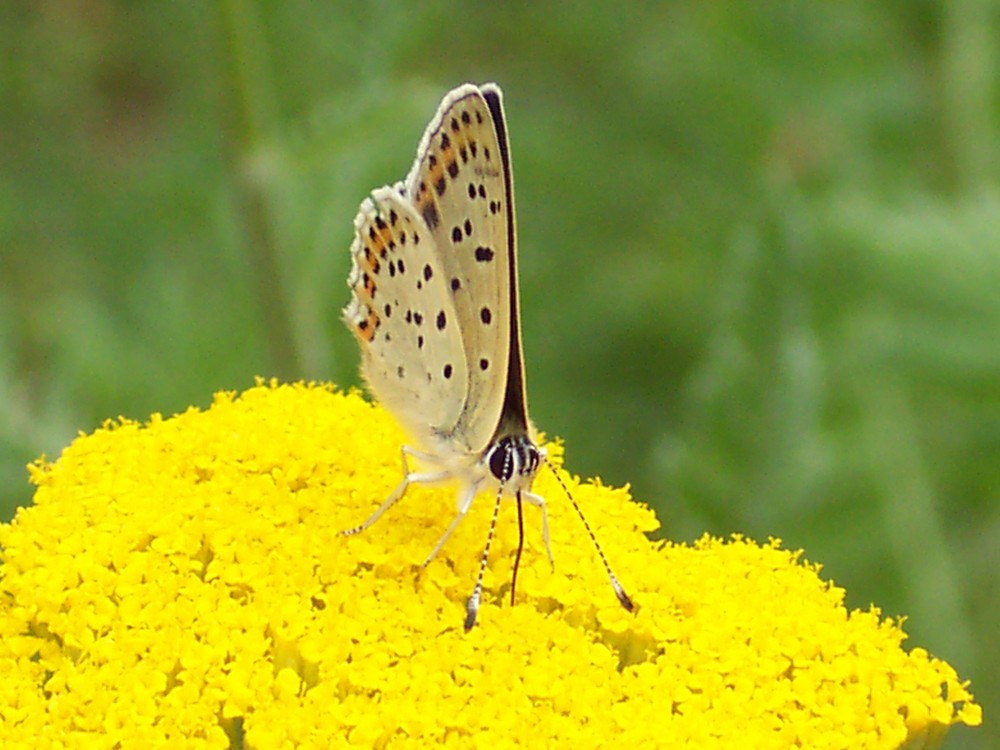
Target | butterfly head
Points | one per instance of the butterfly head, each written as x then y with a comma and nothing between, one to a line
513,461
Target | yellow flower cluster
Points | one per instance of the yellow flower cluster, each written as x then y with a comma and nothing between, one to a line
182,584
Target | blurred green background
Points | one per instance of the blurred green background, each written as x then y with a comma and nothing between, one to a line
760,249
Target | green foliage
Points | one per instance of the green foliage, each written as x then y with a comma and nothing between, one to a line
760,249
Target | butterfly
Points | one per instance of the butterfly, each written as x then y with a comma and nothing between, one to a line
434,307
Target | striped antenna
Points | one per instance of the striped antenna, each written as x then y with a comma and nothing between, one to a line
472,606
623,597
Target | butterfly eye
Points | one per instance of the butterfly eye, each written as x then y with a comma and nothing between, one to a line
501,461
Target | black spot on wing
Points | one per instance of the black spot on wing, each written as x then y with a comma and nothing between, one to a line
431,217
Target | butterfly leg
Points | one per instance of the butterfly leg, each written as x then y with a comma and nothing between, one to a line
464,503
425,477
538,500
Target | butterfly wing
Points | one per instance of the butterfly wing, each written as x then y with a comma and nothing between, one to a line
461,187
404,317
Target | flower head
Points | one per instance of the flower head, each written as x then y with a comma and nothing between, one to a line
183,584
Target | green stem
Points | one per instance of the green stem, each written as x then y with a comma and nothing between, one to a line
250,126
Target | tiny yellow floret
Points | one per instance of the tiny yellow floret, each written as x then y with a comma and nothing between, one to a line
183,584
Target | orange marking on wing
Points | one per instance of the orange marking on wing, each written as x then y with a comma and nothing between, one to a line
371,263
376,244
386,238
365,329
435,174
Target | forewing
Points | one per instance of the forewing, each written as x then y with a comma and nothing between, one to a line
458,188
